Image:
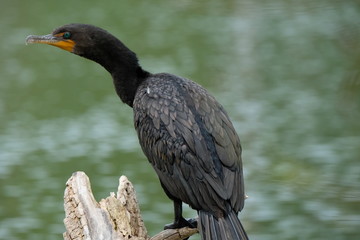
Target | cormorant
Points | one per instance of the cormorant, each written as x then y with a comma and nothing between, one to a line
184,132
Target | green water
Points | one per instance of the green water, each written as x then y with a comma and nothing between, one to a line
288,73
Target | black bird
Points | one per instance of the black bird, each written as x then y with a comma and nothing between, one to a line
184,132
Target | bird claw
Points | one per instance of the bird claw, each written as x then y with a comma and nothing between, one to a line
182,222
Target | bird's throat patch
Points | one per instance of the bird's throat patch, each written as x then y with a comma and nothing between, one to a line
67,45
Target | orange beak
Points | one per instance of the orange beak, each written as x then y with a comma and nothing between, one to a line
50,39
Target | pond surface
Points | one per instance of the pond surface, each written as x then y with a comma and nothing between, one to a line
288,73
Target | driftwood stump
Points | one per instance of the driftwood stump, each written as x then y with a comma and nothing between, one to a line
115,218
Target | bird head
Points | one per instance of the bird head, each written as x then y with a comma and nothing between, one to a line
88,41
81,39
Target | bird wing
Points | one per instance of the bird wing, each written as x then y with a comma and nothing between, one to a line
191,143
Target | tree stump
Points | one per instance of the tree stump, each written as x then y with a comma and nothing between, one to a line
115,218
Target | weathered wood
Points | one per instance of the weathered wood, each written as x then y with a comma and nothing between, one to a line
115,218
175,234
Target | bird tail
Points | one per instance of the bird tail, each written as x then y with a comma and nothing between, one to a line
225,228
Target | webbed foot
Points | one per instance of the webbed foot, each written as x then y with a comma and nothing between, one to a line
182,222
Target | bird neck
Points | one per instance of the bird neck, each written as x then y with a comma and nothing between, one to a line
127,81
125,70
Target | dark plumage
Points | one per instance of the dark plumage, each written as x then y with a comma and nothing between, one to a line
184,132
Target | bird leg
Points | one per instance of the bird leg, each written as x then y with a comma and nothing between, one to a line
181,222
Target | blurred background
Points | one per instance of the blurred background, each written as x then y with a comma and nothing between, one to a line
288,73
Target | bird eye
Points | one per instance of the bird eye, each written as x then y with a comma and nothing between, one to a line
66,35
